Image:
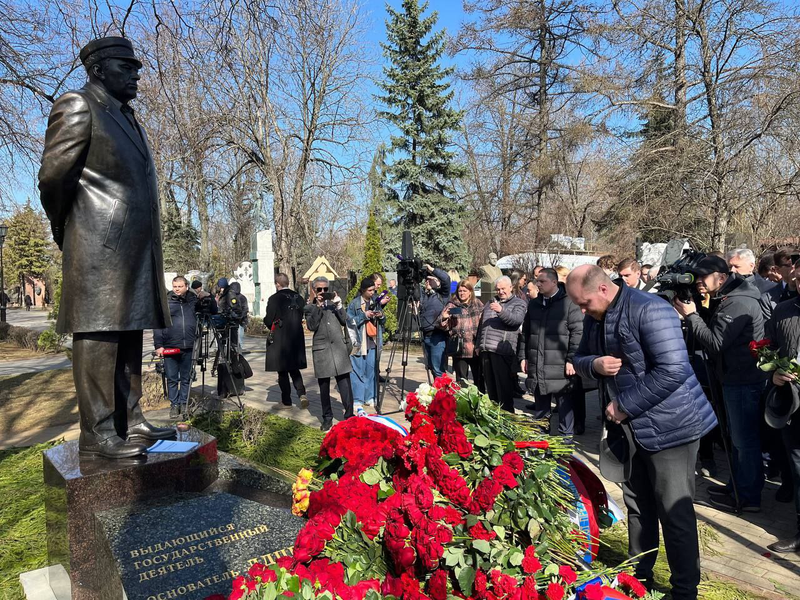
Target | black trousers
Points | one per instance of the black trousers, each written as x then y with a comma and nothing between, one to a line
500,378
345,392
461,367
791,440
564,406
661,489
579,403
286,391
107,369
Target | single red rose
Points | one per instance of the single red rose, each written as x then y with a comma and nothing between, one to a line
239,586
504,476
514,462
567,574
391,586
479,532
554,592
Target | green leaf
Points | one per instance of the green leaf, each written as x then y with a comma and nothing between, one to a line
466,577
451,556
515,556
270,592
471,520
534,529
371,476
551,570
481,441
500,531
542,471
481,546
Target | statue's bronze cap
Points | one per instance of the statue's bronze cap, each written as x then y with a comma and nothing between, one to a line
108,47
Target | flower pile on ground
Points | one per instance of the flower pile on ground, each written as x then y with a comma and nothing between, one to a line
472,504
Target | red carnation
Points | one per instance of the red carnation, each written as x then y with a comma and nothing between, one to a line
478,532
239,588
479,587
531,564
442,381
567,574
632,584
554,592
593,591
514,462
529,591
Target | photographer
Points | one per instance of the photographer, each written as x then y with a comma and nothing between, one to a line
181,335
233,306
461,318
432,303
330,348
734,322
366,312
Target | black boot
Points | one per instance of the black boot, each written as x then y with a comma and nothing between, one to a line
789,545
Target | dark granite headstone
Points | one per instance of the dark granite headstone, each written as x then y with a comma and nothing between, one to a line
191,548
76,488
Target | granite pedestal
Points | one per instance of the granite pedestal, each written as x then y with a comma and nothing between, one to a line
77,488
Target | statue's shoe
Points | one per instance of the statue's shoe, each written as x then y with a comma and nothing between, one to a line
113,447
144,431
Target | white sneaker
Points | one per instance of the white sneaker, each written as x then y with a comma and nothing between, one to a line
370,402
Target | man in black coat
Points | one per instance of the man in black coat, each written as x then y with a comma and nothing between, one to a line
99,190
551,334
286,344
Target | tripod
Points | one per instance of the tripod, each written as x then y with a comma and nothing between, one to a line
207,335
405,331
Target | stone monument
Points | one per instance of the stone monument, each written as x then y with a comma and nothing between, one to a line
491,271
263,260
243,275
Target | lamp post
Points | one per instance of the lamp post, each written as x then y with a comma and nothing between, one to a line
3,231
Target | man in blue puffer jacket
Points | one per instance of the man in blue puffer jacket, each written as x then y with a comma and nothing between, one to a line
633,346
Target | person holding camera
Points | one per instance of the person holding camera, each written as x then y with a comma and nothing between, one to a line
431,304
498,336
460,319
365,312
181,336
286,343
330,348
734,322
550,336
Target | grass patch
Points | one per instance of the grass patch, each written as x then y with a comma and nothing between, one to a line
10,351
614,550
32,401
22,518
263,438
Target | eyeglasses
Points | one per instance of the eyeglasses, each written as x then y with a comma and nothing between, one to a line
321,289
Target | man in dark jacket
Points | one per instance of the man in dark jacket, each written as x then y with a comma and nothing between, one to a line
784,331
550,336
633,346
181,336
286,345
330,349
785,274
743,262
735,321
498,335
432,302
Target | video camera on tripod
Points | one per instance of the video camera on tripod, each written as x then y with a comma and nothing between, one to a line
410,271
677,281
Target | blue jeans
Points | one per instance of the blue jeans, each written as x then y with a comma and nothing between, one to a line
362,378
742,408
179,370
435,346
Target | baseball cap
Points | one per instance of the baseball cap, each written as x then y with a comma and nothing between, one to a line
222,283
710,264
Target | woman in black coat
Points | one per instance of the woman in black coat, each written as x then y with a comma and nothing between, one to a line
286,343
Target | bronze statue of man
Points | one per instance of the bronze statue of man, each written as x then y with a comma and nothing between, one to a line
98,188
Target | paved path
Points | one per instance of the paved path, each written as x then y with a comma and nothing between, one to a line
739,553
34,365
35,318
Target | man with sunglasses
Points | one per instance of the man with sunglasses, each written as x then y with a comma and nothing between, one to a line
330,348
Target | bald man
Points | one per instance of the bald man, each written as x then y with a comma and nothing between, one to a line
633,346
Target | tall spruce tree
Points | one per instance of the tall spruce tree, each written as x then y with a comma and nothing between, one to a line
27,251
418,105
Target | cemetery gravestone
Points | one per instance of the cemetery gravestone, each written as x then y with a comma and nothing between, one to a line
190,549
